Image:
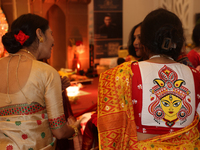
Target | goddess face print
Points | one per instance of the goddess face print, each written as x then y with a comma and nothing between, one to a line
169,98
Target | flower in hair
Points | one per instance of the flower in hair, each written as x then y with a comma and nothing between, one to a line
21,37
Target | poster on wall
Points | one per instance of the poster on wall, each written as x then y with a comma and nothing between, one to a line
107,27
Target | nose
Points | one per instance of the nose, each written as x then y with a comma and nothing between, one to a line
53,42
136,42
171,108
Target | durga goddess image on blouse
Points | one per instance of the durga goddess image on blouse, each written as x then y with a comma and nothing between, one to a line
167,98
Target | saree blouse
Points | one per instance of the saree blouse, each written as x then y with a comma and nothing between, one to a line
167,96
27,116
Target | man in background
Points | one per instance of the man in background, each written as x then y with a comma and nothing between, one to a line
108,29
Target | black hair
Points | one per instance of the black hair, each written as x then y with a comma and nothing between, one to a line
27,23
196,35
120,60
131,48
107,15
159,25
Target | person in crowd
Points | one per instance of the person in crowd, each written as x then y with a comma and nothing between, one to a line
134,46
151,104
194,54
183,58
108,29
31,108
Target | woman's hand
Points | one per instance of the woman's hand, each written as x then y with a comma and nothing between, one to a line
67,131
78,123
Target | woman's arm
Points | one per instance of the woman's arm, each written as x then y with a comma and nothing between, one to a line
66,131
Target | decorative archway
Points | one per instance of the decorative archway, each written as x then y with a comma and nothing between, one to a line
57,22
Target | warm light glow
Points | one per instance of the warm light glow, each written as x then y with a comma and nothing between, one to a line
78,66
72,90
80,49
3,30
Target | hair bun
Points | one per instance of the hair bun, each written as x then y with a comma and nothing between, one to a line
10,43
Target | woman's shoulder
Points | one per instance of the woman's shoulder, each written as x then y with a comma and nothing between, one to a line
124,68
43,67
191,52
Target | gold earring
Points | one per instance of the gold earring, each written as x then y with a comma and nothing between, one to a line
41,40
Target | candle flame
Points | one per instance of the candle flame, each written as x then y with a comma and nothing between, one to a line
78,65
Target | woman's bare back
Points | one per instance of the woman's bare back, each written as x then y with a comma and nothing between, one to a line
14,73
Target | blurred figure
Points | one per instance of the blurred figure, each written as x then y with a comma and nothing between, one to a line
194,54
183,58
134,46
90,135
108,29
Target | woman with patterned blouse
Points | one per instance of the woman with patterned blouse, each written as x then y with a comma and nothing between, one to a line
31,106
151,104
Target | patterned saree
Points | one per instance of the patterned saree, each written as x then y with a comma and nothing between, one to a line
116,123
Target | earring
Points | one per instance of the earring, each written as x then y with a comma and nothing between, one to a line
41,40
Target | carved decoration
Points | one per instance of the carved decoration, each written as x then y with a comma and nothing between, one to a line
180,8
76,1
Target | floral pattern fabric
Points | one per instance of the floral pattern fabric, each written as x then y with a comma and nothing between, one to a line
18,131
115,119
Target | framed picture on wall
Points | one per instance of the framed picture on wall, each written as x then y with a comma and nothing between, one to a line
107,28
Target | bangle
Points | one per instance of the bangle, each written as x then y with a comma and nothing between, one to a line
75,134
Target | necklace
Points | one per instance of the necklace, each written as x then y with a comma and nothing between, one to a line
155,56
24,50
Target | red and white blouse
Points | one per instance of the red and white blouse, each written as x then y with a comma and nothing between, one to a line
164,96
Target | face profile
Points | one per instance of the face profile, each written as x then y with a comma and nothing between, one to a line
136,42
47,44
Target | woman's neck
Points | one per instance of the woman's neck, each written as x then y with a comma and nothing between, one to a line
160,59
27,52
